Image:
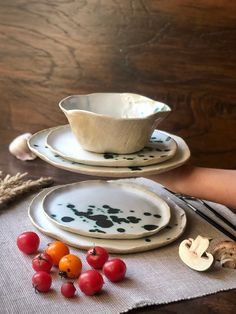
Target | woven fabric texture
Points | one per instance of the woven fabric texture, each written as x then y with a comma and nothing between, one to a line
153,277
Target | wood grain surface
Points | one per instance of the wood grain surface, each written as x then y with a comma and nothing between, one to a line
181,52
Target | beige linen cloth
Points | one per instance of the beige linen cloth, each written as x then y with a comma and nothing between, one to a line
153,277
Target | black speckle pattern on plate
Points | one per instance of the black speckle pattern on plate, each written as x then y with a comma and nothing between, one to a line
107,209
160,147
163,237
36,144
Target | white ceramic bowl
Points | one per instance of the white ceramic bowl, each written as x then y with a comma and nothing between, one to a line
113,122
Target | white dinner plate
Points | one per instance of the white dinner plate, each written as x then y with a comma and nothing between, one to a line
110,210
37,145
62,141
167,235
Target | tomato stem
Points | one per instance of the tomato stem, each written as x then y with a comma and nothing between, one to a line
94,252
40,258
63,274
35,288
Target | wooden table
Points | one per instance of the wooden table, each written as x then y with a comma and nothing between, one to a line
179,52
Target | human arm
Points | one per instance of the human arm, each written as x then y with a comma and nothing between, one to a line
217,185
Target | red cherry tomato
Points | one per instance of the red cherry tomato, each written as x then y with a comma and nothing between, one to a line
68,289
90,282
114,269
28,242
43,262
41,281
97,257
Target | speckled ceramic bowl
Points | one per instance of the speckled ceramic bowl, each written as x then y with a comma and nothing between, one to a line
113,122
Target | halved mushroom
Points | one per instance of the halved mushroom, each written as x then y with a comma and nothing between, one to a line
193,253
225,253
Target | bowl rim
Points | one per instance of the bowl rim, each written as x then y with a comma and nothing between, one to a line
152,115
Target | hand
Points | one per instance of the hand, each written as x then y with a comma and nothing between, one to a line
216,185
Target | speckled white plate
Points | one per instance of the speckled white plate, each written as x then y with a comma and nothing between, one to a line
37,145
167,235
62,141
110,210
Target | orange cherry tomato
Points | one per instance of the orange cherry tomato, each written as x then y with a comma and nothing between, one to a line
57,250
70,266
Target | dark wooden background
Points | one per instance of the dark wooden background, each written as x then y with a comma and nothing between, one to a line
181,52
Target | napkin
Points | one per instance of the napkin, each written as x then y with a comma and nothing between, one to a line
222,210
153,277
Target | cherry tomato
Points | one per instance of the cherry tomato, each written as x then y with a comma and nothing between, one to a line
57,250
41,281
68,289
70,266
97,257
43,262
114,269
28,242
90,282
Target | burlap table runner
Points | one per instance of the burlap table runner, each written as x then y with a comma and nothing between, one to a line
153,277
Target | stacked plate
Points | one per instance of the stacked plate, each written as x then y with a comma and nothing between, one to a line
122,217
59,147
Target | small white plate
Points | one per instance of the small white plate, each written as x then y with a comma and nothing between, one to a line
167,235
37,145
62,141
109,210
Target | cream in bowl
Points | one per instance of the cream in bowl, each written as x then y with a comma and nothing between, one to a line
119,123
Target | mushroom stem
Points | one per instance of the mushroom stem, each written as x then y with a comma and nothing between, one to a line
193,253
199,245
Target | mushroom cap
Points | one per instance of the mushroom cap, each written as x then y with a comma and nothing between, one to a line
193,253
225,252
223,246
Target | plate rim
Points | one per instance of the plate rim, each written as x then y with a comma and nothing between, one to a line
131,185
123,172
147,246
110,162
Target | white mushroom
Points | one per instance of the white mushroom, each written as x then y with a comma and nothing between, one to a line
225,253
19,148
193,253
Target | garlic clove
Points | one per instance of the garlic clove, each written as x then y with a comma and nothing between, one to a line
19,147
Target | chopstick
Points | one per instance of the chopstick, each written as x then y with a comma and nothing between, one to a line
204,216
213,211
